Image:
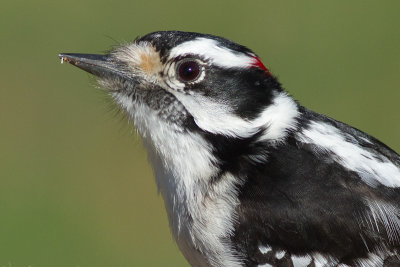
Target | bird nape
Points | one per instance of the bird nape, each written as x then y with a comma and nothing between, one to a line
250,177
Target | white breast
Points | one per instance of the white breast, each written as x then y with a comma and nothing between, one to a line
201,216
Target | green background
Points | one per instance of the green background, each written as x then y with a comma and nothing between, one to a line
75,185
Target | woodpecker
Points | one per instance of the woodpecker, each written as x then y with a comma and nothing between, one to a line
249,177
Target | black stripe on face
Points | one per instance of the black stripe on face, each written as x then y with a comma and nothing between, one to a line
247,92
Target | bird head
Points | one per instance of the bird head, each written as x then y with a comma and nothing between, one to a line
198,84
207,110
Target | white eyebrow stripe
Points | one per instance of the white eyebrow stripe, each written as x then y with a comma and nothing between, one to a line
210,50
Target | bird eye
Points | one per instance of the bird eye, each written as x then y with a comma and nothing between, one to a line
188,70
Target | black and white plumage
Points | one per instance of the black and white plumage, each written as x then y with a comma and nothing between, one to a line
249,177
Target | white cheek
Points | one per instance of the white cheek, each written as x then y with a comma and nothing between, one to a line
214,117
218,117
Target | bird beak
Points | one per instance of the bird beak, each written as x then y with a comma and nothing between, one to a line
98,65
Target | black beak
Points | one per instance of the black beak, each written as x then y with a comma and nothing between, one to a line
98,65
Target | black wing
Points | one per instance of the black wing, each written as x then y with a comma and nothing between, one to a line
306,207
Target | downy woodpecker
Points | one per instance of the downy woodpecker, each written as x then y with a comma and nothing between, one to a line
249,177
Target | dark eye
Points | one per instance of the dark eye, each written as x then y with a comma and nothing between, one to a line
188,70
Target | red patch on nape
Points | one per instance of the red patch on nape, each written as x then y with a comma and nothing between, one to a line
257,63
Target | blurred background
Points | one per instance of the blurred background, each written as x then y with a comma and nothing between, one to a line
75,185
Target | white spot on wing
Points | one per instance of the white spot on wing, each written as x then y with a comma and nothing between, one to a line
210,50
280,254
301,261
351,155
264,249
265,265
319,260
